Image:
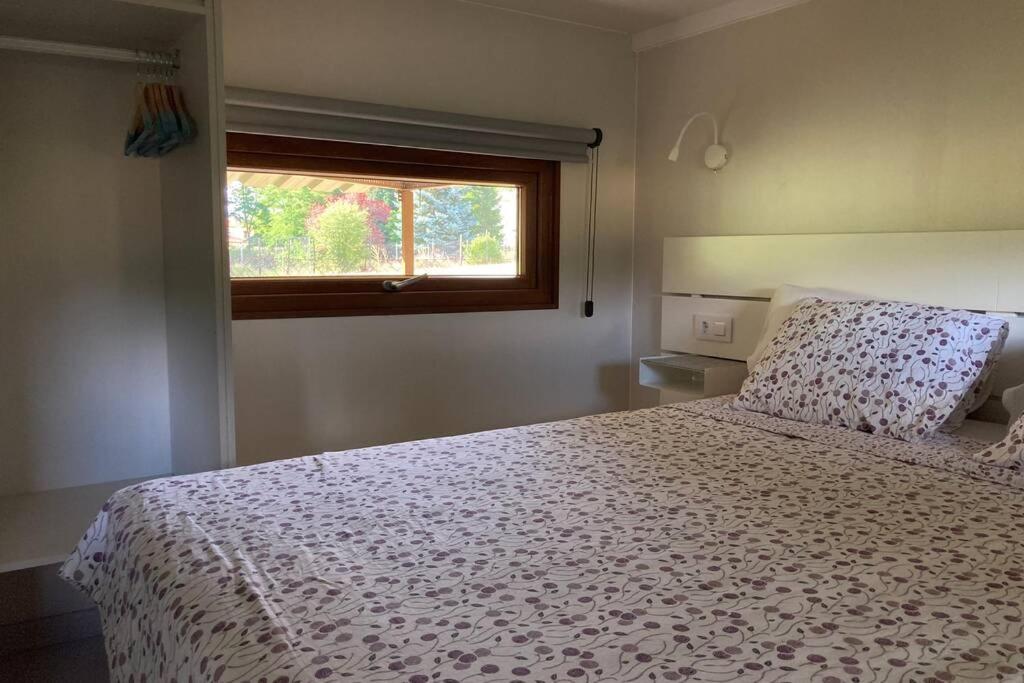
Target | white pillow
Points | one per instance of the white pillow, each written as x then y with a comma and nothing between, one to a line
782,305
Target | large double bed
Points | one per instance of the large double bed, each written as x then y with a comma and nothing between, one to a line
832,522
691,542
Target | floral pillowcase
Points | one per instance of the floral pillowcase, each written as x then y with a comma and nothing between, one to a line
895,369
1009,452
981,390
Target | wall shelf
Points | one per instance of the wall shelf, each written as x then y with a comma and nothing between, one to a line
689,377
111,23
43,528
188,6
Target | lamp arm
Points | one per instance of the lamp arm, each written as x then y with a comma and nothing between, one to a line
679,140
714,122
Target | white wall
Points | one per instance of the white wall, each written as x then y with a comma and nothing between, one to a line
841,116
83,394
305,386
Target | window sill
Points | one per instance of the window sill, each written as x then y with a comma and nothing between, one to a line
259,299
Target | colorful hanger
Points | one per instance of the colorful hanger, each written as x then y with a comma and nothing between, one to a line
160,121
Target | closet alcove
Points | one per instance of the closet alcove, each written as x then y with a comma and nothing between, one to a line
113,287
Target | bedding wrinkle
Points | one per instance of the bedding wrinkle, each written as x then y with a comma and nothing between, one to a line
214,549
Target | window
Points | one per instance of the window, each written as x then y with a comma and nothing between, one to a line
316,227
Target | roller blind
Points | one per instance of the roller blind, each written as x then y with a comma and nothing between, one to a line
274,113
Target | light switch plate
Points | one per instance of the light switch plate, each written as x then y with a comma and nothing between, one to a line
716,328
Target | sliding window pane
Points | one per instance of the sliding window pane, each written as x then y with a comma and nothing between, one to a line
467,230
289,225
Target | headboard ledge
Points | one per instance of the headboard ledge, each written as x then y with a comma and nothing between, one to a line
972,270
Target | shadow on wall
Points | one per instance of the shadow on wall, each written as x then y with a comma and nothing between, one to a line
290,426
294,425
613,380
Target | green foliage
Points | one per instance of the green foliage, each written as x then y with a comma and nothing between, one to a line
340,238
486,210
392,227
301,231
484,249
287,211
248,208
443,218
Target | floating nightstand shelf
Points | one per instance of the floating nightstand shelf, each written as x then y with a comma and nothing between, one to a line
688,377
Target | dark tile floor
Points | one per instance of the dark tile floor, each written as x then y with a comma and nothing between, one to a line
80,661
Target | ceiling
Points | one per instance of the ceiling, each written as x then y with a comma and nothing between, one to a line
628,16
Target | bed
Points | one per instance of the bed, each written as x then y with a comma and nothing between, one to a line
688,542
685,542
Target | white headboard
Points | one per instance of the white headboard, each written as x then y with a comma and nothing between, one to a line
735,276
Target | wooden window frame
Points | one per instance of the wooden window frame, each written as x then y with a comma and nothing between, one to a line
535,287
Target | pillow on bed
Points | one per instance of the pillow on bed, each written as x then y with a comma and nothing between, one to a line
1009,452
1013,401
782,305
979,393
889,368
784,301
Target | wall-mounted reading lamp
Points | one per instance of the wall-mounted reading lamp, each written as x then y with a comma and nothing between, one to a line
715,157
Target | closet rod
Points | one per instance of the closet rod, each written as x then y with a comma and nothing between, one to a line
111,54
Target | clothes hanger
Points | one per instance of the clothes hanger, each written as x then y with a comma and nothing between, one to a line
160,121
188,125
168,121
141,131
163,140
151,115
135,129
149,135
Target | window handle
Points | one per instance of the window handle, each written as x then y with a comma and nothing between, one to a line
399,285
